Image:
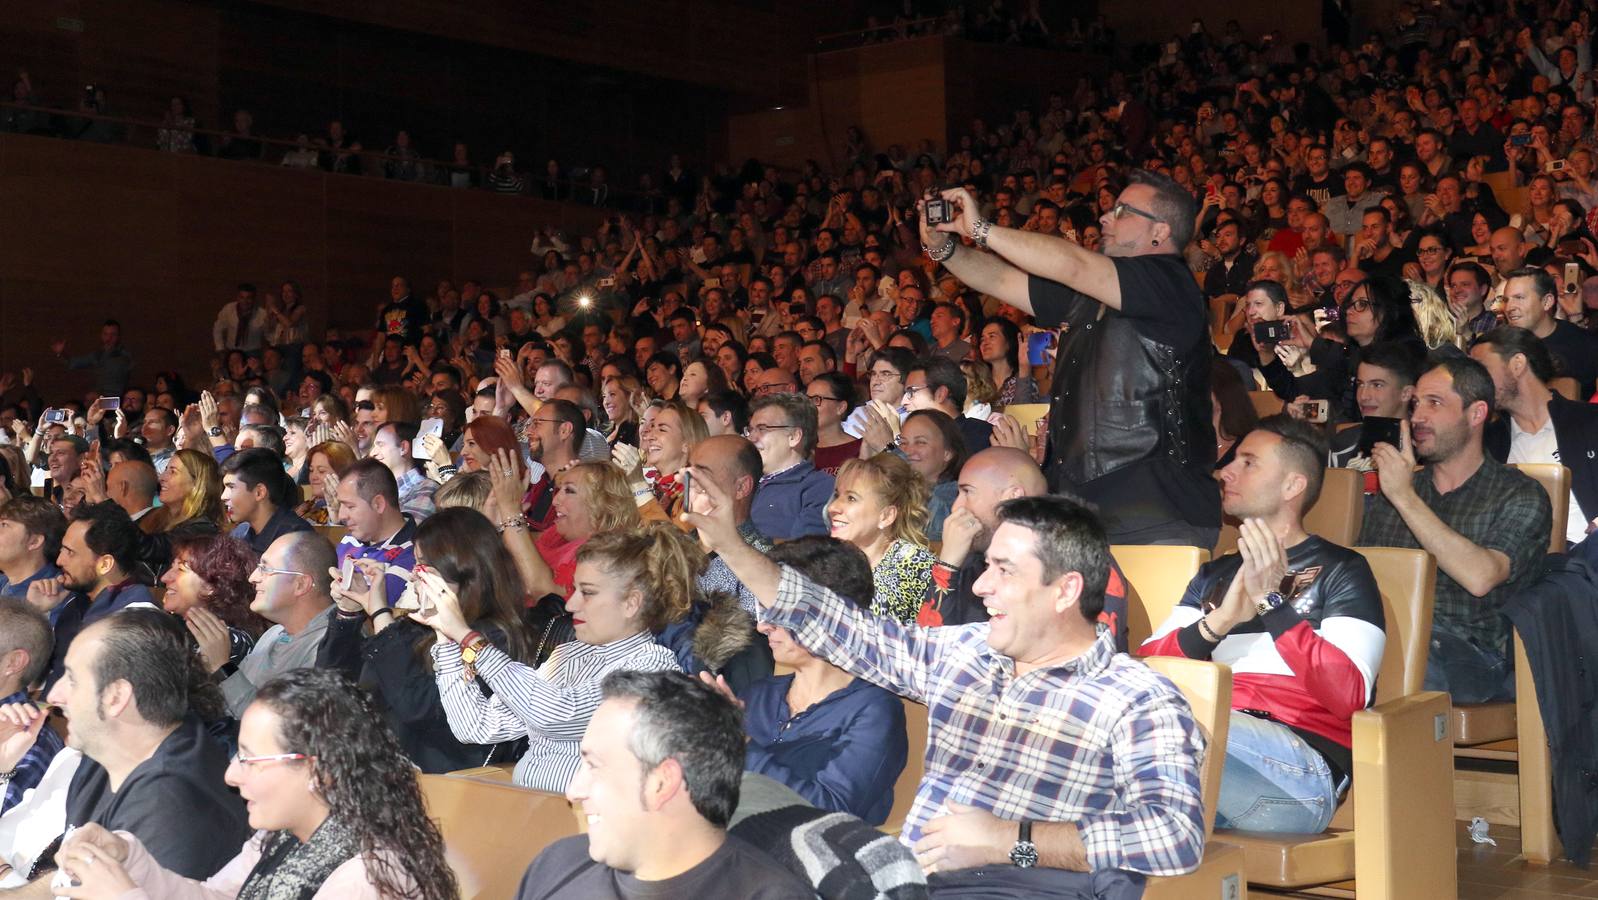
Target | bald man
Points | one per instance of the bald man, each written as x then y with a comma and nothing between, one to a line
1508,248
133,484
734,464
987,479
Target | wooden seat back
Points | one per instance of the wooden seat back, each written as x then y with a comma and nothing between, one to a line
492,832
1155,579
1407,579
1208,689
915,766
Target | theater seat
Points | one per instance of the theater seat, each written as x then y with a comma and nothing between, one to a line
1336,516
492,832
1208,689
1394,835
915,766
1499,731
1156,578
1027,414
1566,387
1266,403
333,533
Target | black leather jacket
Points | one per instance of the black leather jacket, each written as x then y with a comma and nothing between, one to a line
1121,397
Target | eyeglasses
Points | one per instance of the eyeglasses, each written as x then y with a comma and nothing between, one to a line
765,389
276,757
1120,210
816,401
763,430
265,569
1360,305
887,373
910,390
1429,250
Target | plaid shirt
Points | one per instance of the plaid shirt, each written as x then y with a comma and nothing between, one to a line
1101,741
30,769
1499,508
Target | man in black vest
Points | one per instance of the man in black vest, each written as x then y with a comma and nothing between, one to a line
1134,357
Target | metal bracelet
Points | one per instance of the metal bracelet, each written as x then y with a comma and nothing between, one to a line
941,254
1208,633
979,231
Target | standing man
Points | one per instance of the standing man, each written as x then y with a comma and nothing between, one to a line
241,325
1134,360
112,363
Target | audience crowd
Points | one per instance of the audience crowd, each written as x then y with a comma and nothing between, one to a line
668,521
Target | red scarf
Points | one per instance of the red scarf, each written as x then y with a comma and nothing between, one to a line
667,488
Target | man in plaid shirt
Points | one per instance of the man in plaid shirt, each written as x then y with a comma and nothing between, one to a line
25,641
1488,524
1046,748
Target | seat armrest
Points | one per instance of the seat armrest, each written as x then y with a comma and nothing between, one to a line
1404,799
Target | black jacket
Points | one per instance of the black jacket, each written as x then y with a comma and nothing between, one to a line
1557,618
1576,430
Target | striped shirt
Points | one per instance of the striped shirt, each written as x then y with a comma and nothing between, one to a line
1102,741
551,705
30,769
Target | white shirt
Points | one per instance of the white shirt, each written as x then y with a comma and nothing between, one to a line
1543,447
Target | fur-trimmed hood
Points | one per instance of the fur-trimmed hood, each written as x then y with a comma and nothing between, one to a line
724,631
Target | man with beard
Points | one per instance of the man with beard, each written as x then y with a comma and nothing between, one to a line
1486,523
986,480
98,554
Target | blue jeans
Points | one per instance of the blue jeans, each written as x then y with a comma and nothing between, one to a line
1273,780
1468,672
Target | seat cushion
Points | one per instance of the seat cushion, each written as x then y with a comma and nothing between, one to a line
1291,861
1478,723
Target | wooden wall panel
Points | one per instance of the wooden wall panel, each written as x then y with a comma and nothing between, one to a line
89,232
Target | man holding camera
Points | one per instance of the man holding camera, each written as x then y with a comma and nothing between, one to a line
1134,356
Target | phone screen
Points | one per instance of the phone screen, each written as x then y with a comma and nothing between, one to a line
1039,347
1378,430
687,490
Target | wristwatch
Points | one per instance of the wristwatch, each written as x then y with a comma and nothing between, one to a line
216,431
1024,855
1270,601
472,646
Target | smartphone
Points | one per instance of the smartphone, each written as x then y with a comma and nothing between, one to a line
347,574
434,427
1315,412
697,254
1520,140
1572,277
1557,165
504,353
57,416
712,282
608,281
1379,430
110,403
687,490
1277,332
1040,348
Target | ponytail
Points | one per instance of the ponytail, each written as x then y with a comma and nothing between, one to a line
658,559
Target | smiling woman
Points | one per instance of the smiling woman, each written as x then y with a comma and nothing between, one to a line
880,505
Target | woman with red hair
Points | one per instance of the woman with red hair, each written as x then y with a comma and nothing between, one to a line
208,585
485,438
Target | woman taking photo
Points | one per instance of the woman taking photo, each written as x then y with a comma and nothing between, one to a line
208,586
880,505
1001,348
460,546
336,805
628,586
667,440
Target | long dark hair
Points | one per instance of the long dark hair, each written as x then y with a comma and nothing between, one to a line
366,780
462,545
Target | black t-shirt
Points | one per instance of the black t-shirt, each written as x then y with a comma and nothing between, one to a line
175,803
735,871
1322,191
404,317
1164,304
1391,267
1575,354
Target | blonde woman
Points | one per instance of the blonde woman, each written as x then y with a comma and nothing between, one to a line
879,504
1434,318
191,505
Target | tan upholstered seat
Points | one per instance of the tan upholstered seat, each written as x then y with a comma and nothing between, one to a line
333,533
1156,578
1566,387
1498,731
1336,516
1402,797
1266,403
915,766
1027,414
492,832
1208,689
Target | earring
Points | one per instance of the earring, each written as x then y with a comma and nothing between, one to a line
1155,242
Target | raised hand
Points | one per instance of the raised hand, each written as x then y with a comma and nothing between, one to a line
211,634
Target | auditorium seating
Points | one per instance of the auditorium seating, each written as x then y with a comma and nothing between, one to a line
1501,731
1208,689
1266,403
1027,414
1566,387
915,766
1155,580
333,533
1401,802
492,832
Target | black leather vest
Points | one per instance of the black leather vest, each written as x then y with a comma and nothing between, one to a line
1120,398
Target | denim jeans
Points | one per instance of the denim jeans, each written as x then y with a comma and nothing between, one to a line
1273,781
1467,672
